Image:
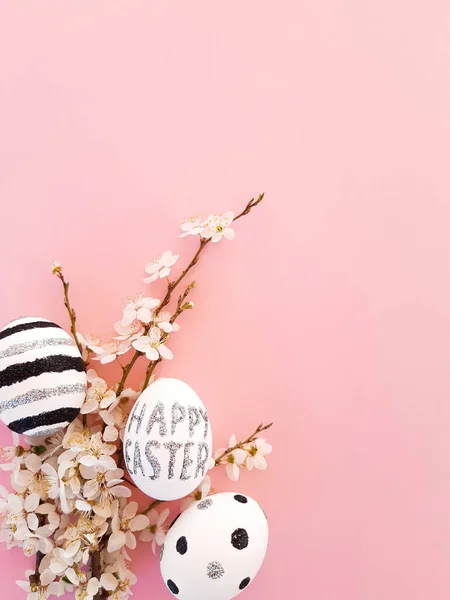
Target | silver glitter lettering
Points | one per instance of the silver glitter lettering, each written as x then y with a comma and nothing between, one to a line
173,448
194,419
157,416
187,461
178,415
154,462
137,462
202,459
36,395
204,415
33,344
214,570
128,443
135,417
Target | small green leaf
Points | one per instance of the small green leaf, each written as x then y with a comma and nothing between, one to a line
38,449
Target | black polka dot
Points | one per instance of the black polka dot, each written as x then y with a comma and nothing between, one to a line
239,539
174,521
241,499
182,545
172,587
244,583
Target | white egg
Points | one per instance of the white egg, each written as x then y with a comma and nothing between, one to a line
215,548
42,377
168,440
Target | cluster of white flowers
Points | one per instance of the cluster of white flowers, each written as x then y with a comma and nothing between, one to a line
70,501
142,327
246,456
215,227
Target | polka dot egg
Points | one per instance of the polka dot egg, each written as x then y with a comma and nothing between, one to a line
215,548
42,377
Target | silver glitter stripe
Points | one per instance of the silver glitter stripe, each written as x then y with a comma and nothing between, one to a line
35,395
46,430
31,345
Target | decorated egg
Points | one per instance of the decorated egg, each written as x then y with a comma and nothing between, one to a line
42,377
168,440
215,548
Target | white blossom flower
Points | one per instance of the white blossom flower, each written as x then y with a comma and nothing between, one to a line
152,346
47,586
127,395
98,395
160,266
191,226
21,511
53,444
59,561
257,451
163,322
98,453
115,422
86,588
124,526
233,460
111,350
128,332
76,438
155,533
35,540
103,486
52,479
56,267
49,511
32,477
80,538
3,500
216,227
91,341
140,309
14,455
69,484
119,586
198,494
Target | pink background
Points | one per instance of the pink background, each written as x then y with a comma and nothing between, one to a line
328,313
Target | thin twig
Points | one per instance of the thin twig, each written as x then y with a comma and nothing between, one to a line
152,505
181,306
250,439
170,288
70,310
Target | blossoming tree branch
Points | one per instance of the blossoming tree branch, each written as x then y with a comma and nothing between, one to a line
71,504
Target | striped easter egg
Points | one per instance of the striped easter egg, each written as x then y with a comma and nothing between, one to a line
42,377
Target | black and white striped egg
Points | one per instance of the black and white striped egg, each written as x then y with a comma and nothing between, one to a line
42,377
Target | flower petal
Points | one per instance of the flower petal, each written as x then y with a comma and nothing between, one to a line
165,352
116,541
228,234
108,582
139,522
130,540
32,521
